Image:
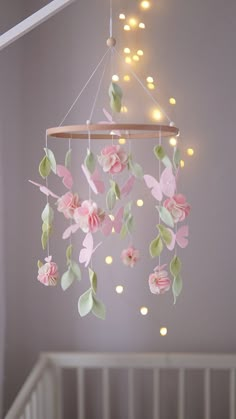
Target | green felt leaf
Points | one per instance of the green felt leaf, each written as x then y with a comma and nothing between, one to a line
161,155
110,199
176,157
47,214
123,232
130,223
177,287
75,269
127,210
99,309
68,158
67,279
49,153
93,280
175,266
46,228
115,188
115,93
156,247
166,216
44,239
85,303
44,167
165,234
69,254
135,168
90,161
40,264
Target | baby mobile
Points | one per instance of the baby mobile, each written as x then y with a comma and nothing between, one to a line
84,214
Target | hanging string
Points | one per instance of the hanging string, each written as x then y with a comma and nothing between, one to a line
46,180
84,87
111,20
98,91
159,176
69,151
144,88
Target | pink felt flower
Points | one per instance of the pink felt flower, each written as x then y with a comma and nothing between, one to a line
89,216
48,273
159,282
178,207
130,256
113,159
68,204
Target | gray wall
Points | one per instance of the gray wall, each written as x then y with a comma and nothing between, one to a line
190,50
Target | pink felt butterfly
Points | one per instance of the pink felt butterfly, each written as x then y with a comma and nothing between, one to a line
44,189
70,230
109,121
128,186
166,186
86,253
94,180
109,224
63,172
180,237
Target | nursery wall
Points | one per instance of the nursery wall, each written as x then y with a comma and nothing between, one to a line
189,50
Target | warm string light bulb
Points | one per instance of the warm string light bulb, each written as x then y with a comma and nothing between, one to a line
124,109
163,331
182,164
119,289
172,101
122,141
121,16
126,28
139,203
128,60
149,79
135,58
145,4
126,77
127,50
115,77
190,151
133,22
140,52
142,25
173,141
156,114
144,311
151,86
109,260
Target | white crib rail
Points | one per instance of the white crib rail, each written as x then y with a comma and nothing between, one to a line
41,396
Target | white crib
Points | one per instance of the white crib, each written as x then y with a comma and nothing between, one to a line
41,397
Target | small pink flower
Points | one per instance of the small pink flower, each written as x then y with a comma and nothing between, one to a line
130,256
178,207
113,159
89,216
48,273
159,282
68,204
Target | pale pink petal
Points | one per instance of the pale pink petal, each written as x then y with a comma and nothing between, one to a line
168,182
128,186
154,185
70,230
63,172
182,236
44,189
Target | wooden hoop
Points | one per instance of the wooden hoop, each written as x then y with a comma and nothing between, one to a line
108,131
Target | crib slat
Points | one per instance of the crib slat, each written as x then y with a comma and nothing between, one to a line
39,400
58,392
34,406
80,393
106,395
207,394
181,399
232,393
156,393
131,393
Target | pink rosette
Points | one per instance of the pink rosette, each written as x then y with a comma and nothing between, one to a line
113,159
48,273
159,282
130,256
89,217
68,203
178,207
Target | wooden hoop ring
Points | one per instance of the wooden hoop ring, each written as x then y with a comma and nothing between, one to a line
108,131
